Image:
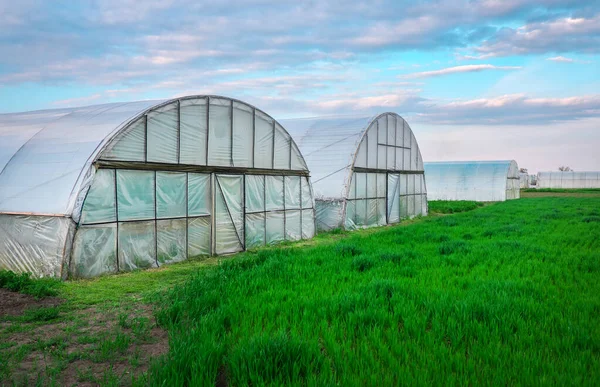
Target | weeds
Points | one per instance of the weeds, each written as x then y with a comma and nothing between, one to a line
24,283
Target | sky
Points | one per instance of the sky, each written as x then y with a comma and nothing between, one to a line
476,80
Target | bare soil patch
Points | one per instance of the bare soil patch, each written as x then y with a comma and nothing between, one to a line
14,304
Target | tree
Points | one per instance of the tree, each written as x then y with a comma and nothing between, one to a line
523,170
565,169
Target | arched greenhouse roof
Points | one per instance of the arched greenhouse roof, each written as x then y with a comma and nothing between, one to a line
45,155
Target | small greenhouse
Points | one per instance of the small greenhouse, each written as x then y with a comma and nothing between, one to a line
123,186
365,171
568,180
482,181
523,180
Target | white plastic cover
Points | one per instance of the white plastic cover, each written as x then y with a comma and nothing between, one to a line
334,147
568,180
51,163
485,181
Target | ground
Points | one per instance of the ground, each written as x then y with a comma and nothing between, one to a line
505,293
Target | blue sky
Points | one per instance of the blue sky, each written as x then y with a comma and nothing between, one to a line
492,79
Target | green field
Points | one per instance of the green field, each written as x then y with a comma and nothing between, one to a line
507,293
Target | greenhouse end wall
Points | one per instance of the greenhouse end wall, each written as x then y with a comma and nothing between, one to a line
568,180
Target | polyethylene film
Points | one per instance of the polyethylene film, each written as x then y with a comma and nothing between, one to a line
255,193
199,236
162,134
198,194
308,224
130,145
34,244
171,240
193,131
137,245
329,214
135,195
243,121
263,143
255,230
292,192
293,227
274,193
100,205
275,227
170,194
94,251
219,135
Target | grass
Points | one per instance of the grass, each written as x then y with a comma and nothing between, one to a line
24,283
452,207
562,190
507,294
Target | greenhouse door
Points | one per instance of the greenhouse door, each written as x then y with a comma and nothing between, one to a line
229,215
393,198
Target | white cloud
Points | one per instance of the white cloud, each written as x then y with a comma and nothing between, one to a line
459,69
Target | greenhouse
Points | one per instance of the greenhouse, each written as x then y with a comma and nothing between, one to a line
365,171
568,180
482,181
123,186
523,180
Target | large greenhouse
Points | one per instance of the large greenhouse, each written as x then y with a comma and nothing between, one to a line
122,186
568,180
365,171
482,181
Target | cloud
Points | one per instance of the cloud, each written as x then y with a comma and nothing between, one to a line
459,69
563,59
569,34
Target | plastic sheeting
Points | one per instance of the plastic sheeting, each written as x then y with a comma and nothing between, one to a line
335,147
523,180
55,163
34,244
568,180
485,181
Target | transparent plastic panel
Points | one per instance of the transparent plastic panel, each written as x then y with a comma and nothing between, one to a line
297,162
372,215
382,156
275,227
135,195
350,221
199,201
162,134
391,129
308,224
407,154
137,245
307,199
255,193
243,121
292,192
361,185
293,228
255,230
100,204
274,192
171,240
424,210
403,184
282,148
371,185
361,156
399,132
381,209
232,188
263,146
228,240
193,131
372,147
410,200
399,159
352,190
329,214
129,146
393,198
361,212
407,136
219,134
411,184
418,205
391,158
414,157
198,236
403,207
381,182
170,194
94,251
